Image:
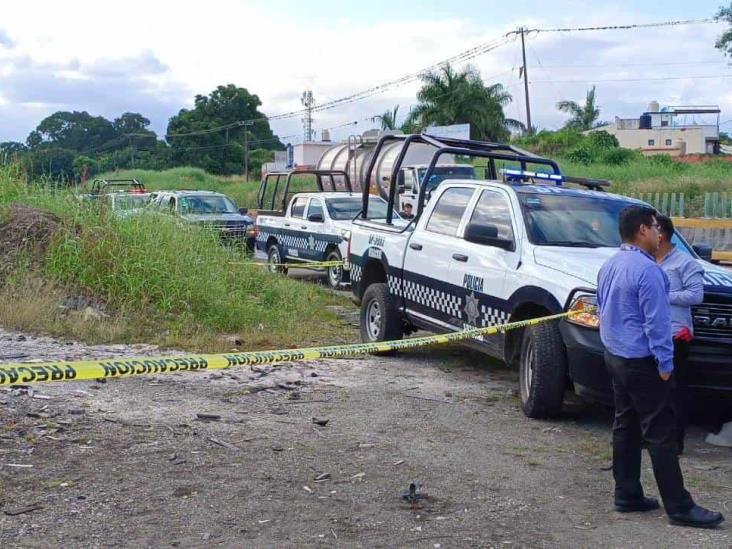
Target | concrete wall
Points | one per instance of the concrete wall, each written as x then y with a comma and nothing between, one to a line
308,154
639,139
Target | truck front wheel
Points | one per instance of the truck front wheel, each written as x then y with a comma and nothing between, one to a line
542,371
380,320
274,260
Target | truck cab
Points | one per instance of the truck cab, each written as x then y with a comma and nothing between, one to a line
523,245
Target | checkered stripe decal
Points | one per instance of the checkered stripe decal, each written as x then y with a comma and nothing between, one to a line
394,286
355,272
296,242
492,317
433,299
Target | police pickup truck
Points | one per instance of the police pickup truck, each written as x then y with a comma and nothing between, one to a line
520,246
315,227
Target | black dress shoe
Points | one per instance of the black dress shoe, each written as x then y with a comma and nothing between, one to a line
637,505
696,517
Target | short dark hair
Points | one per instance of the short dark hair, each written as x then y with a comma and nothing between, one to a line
631,219
665,225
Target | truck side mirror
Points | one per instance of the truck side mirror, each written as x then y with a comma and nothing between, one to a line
487,235
243,211
704,251
315,218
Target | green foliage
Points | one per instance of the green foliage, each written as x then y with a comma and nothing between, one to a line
387,119
52,163
164,273
582,117
602,139
724,42
84,162
449,97
551,143
222,151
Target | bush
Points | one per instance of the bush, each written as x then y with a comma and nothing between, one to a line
603,140
618,156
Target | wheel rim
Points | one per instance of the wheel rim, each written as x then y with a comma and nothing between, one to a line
373,320
274,260
527,368
334,273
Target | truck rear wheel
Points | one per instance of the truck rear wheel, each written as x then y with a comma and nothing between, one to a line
380,320
542,371
334,274
274,260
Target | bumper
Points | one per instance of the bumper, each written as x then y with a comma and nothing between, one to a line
710,366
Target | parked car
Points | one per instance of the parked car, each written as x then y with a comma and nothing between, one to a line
209,209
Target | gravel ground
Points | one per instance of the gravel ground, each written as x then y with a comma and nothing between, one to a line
235,459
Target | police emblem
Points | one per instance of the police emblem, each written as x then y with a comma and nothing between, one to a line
311,242
472,308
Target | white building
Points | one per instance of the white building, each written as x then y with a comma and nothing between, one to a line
671,130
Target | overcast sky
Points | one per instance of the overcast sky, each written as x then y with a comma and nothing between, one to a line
153,57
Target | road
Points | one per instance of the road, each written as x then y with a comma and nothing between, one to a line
234,458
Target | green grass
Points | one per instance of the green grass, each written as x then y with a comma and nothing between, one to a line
173,281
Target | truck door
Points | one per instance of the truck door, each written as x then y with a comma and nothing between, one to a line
314,242
294,237
480,270
409,191
428,295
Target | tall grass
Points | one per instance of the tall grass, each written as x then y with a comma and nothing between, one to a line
172,276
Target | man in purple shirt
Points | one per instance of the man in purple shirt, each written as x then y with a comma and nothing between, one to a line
635,328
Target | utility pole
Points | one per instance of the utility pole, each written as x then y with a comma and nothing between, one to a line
246,124
526,82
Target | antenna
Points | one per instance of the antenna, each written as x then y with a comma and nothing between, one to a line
308,101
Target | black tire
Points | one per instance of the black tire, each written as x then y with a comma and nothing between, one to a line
377,301
334,275
542,371
275,261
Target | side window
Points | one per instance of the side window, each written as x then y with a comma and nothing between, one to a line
493,209
171,205
315,208
298,207
449,211
410,183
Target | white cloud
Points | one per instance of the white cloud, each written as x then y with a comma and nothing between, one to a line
153,57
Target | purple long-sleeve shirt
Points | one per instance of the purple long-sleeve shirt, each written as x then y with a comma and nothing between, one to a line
635,316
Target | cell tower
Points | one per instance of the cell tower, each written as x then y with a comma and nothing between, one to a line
308,102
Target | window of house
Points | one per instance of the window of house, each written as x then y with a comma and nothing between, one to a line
664,123
668,142
651,142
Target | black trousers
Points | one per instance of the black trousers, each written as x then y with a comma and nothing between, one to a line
644,413
681,382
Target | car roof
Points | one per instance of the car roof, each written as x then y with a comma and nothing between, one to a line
191,193
540,188
342,194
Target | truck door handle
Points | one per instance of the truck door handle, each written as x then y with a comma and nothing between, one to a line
415,246
303,226
460,257
287,224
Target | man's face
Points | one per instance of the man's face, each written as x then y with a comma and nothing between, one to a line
650,237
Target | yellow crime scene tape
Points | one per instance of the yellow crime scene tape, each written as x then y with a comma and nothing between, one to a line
42,372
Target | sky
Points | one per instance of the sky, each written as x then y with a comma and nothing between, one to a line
154,57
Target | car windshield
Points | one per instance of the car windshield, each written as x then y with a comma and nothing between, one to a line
128,201
575,221
343,208
441,173
206,205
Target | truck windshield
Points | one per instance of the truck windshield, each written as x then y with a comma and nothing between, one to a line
441,173
575,221
128,201
348,207
206,205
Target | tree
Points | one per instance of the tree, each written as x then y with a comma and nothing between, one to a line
583,117
449,97
212,134
76,131
387,119
724,42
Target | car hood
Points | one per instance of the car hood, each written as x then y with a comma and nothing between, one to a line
716,278
580,263
218,218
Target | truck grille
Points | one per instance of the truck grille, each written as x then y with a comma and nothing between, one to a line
713,320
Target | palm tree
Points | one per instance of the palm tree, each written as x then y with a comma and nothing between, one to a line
583,117
387,119
449,96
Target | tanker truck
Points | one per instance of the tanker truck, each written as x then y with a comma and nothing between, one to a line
354,156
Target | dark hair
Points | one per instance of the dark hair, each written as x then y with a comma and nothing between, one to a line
631,219
665,225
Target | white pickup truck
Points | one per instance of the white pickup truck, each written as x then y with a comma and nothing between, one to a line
315,227
483,253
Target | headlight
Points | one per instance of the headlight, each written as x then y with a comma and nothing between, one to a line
345,234
584,312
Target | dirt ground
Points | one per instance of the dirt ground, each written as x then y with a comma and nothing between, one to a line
234,459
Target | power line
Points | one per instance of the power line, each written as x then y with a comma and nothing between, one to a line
662,64
630,26
644,79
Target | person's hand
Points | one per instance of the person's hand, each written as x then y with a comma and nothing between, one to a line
665,376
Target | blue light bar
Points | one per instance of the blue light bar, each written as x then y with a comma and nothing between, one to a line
518,175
